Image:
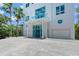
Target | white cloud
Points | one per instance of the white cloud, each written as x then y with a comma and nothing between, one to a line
1,12
13,18
1,4
22,6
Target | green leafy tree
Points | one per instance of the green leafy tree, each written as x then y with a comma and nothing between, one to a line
77,31
4,30
77,25
3,19
7,7
18,12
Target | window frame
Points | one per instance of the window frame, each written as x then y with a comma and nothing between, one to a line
40,12
60,9
27,5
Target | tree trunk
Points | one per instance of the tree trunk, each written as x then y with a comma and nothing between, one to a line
11,23
11,28
17,29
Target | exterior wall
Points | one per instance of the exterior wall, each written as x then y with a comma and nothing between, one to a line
66,29
30,11
33,21
50,27
29,31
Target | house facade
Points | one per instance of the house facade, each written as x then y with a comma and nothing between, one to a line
49,20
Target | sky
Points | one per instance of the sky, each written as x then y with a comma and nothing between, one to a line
13,18
21,5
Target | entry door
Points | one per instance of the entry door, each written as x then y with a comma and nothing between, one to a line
37,31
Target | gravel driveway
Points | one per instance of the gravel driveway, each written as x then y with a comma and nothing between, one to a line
21,46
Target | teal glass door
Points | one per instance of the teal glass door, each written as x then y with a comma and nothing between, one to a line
37,31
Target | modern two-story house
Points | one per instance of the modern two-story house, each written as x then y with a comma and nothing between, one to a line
49,20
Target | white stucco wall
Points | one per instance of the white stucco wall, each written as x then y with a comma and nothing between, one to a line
30,11
53,29
66,29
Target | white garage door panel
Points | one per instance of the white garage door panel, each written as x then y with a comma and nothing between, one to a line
61,34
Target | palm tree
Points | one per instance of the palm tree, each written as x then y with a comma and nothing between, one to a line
22,15
18,13
3,19
7,7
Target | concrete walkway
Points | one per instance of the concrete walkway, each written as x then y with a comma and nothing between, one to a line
21,46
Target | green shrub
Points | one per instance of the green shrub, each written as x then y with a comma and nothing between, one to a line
77,31
4,31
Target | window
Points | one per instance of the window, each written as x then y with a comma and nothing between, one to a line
57,10
27,5
60,10
27,18
39,13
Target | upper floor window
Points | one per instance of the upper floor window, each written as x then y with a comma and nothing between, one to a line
39,13
57,10
60,9
27,5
